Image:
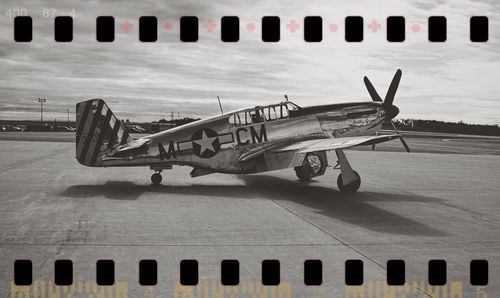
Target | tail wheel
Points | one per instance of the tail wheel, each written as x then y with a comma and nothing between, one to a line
156,178
351,187
314,165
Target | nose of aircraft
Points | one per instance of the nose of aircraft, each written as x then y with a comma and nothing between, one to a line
391,111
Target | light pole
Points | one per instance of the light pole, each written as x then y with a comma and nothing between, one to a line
41,101
67,110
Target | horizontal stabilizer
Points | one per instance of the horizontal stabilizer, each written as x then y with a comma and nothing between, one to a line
199,172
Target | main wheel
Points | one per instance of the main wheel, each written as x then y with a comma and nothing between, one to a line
351,187
303,173
156,178
314,165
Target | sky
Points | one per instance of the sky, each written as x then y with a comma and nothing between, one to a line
452,81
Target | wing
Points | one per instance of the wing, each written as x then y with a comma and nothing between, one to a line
318,144
334,143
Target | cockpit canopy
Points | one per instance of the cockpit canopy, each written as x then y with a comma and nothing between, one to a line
263,113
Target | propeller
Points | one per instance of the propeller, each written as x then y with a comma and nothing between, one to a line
391,110
371,89
407,148
391,93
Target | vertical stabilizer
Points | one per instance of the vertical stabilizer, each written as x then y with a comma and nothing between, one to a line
97,131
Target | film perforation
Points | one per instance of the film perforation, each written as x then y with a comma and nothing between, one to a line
23,272
479,29
230,272
354,272
230,28
313,272
479,272
271,272
105,272
63,272
354,29
271,29
23,29
437,29
437,272
189,29
148,29
189,272
148,272
396,272
105,29
313,29
63,29
396,29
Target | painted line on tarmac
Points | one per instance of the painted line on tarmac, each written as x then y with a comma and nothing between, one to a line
456,147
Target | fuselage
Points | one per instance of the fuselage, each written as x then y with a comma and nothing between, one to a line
216,144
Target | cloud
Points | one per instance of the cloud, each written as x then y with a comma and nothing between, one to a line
453,81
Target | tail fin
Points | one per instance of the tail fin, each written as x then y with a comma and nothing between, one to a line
97,131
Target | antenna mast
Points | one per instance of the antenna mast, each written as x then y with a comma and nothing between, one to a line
220,106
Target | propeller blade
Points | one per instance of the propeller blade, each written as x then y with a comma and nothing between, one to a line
404,143
394,127
373,93
391,93
407,148
373,145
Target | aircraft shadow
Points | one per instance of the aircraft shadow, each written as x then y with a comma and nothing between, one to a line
118,190
356,209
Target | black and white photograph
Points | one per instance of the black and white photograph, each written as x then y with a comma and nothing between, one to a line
189,148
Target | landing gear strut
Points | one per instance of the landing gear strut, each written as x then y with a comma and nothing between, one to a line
156,178
349,180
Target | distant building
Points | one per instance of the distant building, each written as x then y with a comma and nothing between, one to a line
158,126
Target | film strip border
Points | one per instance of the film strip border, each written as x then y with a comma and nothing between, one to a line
271,28
230,272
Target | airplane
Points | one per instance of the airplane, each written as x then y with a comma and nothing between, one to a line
245,141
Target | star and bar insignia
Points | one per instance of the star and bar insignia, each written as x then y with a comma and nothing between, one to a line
205,142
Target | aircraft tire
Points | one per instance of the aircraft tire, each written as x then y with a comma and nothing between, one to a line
303,173
156,178
311,168
351,187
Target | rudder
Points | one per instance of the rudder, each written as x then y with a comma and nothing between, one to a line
97,131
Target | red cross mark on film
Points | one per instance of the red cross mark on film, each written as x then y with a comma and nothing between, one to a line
209,25
126,26
292,26
167,26
250,27
415,28
374,26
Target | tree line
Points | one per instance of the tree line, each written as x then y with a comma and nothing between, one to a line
445,127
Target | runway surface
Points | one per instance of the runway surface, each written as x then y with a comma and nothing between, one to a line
415,207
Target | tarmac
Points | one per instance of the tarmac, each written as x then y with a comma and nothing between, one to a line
439,202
